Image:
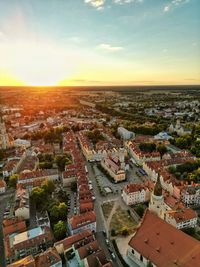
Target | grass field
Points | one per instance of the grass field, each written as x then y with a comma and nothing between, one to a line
122,220
107,207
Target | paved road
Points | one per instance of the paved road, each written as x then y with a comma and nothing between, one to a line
102,241
3,203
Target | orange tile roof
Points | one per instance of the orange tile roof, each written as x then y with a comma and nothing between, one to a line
2,183
164,245
98,259
71,240
79,220
184,215
88,249
47,258
13,225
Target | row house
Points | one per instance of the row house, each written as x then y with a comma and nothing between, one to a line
68,245
86,146
11,167
185,218
21,207
190,195
48,258
76,172
136,193
171,209
91,255
2,186
102,150
28,180
140,156
27,243
13,225
81,222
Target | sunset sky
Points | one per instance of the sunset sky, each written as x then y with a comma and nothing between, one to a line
99,42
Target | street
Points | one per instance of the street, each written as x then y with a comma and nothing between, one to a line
100,199
4,198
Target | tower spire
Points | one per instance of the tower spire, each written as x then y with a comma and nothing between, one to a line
158,187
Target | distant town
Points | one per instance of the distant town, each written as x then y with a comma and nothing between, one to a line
100,177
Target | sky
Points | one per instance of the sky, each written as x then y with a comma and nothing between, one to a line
99,42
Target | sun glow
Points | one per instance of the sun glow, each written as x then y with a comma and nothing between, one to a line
35,64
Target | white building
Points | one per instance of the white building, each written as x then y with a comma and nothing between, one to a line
191,195
163,136
157,243
5,140
22,208
186,218
115,166
125,134
135,193
21,143
171,211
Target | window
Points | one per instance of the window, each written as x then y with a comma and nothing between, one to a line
141,258
133,252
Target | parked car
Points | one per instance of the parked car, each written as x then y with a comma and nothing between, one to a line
113,256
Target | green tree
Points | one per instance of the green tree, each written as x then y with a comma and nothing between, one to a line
62,196
62,211
48,186
62,160
59,230
161,149
189,231
38,196
149,264
2,154
140,210
147,147
73,187
124,231
54,213
113,232
12,182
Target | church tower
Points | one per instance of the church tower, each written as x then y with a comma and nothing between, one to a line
4,139
157,201
121,158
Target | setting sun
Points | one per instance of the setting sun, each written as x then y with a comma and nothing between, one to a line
36,64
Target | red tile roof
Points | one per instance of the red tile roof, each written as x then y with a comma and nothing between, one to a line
80,220
164,245
47,258
2,183
184,215
14,225
75,239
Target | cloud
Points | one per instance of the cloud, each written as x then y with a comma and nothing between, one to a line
2,36
98,4
110,48
75,39
174,3
121,2
166,8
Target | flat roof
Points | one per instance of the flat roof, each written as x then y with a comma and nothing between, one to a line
27,235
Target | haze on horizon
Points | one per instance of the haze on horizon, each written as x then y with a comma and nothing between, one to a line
99,42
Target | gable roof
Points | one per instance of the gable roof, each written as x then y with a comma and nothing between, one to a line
164,245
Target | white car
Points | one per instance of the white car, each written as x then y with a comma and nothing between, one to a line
113,256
